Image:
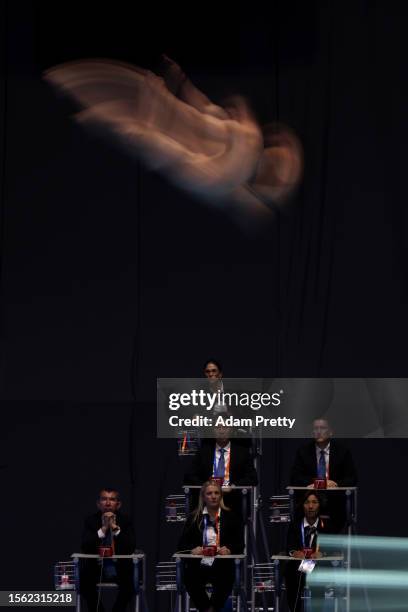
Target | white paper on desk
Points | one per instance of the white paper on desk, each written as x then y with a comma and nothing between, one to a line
207,561
307,566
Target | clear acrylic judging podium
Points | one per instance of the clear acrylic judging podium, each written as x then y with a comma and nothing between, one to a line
65,576
248,503
188,442
251,512
350,498
350,505
139,577
279,508
338,597
238,591
175,508
248,509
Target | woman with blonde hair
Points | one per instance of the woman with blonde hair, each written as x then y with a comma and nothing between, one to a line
211,527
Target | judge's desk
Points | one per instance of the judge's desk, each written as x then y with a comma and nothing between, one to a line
339,598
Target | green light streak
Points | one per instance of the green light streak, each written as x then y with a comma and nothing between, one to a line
364,543
378,579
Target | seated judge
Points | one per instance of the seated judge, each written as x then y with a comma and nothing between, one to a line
323,457
211,524
303,534
213,371
223,458
108,527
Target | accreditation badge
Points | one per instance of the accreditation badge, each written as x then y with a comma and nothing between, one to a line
307,566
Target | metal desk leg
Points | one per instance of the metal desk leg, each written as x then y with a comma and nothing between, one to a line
179,583
238,583
246,519
187,502
307,599
292,504
349,512
350,522
77,585
136,583
143,588
277,585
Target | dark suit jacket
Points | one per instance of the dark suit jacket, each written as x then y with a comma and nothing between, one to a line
125,542
341,465
294,538
231,534
242,471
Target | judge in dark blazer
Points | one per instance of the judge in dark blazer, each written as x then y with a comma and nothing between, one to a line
303,534
211,524
323,457
236,467
107,527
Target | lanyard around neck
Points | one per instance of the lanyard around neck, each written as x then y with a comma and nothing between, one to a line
302,529
217,528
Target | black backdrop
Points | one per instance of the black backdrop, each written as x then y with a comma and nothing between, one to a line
110,277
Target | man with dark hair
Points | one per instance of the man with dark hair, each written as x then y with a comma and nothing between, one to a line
213,373
212,369
107,528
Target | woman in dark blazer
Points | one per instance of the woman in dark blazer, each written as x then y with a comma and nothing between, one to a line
303,534
211,524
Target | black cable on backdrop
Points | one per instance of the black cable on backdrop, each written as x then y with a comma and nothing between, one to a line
135,355
324,183
134,370
279,336
3,166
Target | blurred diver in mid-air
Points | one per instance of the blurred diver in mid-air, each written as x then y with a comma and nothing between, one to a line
219,154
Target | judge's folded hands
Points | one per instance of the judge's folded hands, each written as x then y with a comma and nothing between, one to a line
300,554
223,550
331,484
109,522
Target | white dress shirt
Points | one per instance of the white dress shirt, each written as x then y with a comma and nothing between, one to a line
209,534
102,535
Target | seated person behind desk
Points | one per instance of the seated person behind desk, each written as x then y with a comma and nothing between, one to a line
107,527
325,458
213,371
214,374
223,458
303,533
211,524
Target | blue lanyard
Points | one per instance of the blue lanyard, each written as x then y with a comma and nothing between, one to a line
205,536
205,529
302,529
